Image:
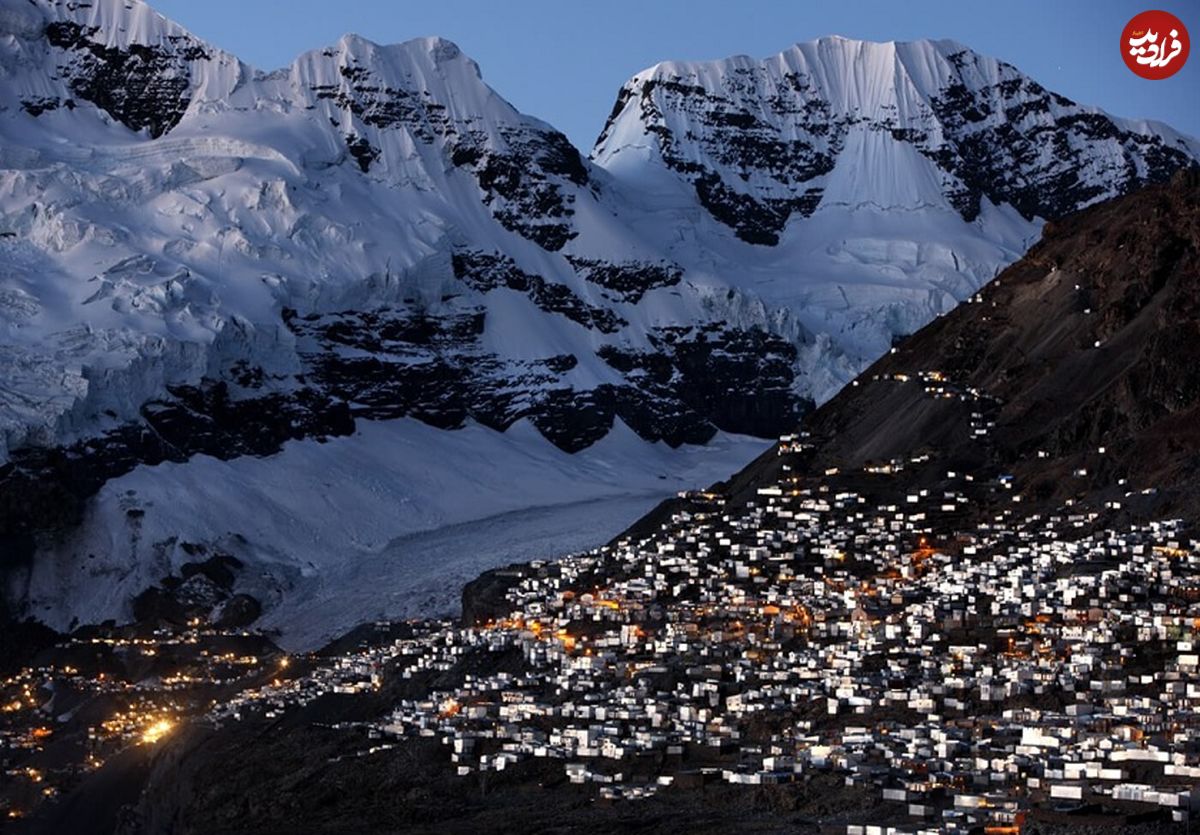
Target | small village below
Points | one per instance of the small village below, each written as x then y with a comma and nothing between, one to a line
972,672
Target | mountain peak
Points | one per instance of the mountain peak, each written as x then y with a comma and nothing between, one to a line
141,69
114,24
761,141
438,49
428,65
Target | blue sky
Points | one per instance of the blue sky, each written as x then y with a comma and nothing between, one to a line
563,61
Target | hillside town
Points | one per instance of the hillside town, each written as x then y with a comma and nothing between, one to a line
972,670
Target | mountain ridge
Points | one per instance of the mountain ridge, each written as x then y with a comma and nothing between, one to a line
1083,402
373,233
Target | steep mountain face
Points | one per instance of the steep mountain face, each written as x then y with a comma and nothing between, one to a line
197,257
902,125
1065,379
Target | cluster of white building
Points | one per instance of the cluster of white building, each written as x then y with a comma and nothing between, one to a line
1024,663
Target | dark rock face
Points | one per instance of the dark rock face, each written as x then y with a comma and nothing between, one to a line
716,364
483,271
410,364
407,364
483,599
755,221
203,589
238,612
737,139
363,152
627,281
143,87
525,182
711,377
380,105
995,151
43,104
524,186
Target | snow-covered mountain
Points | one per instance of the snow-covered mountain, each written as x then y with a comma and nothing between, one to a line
199,258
